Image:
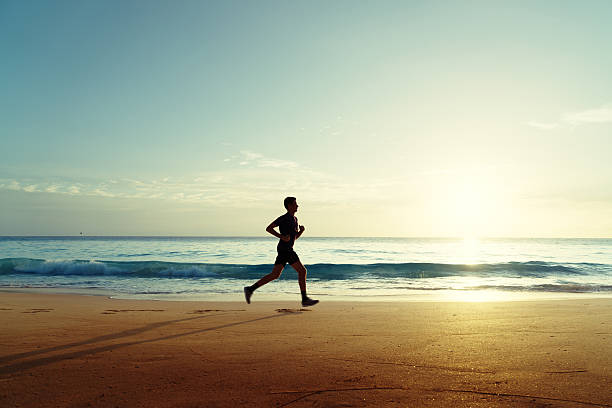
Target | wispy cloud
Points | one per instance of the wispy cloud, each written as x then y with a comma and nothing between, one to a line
73,190
542,125
249,158
277,163
255,187
251,155
602,114
599,115
102,193
256,184
10,185
57,187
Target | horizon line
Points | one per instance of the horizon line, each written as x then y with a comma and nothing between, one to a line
264,236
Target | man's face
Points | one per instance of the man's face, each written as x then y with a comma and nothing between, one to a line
293,207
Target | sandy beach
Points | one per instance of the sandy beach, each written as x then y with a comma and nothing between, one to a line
76,351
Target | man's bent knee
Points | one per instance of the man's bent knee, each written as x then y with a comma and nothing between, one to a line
276,271
299,267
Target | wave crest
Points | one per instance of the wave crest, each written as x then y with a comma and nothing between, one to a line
532,269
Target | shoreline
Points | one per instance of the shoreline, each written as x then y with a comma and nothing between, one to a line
75,350
451,295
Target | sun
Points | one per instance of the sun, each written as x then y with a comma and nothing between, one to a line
472,203
470,207
469,251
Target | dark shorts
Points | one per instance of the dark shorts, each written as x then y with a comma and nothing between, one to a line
286,257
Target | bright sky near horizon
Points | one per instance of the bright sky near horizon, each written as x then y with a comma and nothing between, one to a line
407,118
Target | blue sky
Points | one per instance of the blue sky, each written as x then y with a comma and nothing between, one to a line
467,118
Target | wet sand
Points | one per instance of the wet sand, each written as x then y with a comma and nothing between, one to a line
78,351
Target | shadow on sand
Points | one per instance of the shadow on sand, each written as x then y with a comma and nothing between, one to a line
12,368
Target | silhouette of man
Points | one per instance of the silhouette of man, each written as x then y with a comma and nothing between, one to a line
289,232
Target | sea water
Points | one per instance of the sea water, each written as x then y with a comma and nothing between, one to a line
217,268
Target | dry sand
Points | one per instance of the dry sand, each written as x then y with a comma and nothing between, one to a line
77,351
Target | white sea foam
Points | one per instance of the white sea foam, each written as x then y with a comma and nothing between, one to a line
67,268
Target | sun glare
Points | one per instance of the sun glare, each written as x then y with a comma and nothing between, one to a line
470,250
469,207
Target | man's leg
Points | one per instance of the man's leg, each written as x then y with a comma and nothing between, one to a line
275,274
301,270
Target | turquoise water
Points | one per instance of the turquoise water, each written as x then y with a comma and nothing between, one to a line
212,268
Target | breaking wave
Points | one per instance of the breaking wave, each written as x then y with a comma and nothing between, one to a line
321,271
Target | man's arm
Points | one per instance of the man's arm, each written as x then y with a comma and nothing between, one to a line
272,231
300,232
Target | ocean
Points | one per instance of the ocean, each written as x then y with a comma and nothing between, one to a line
217,268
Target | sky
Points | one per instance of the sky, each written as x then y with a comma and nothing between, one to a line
399,119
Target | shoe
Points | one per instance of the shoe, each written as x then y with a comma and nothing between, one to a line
247,294
309,302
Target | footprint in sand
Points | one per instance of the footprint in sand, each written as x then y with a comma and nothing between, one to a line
292,310
38,310
113,311
199,311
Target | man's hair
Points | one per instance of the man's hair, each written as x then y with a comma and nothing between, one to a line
288,200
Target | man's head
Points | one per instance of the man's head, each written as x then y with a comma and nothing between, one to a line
291,204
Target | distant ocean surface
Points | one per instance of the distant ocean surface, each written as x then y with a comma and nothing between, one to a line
214,268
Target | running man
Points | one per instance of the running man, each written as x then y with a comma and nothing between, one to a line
289,232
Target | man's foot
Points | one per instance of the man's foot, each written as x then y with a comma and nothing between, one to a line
309,302
247,294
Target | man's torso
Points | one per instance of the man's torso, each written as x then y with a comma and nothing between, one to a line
287,225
